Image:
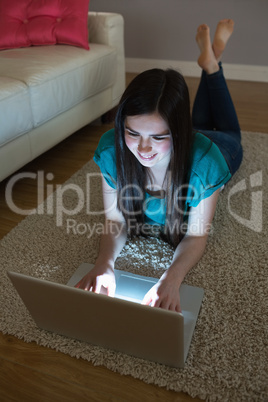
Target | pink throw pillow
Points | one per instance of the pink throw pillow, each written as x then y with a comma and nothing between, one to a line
25,23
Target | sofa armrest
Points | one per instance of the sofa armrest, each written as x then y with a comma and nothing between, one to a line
108,29
105,28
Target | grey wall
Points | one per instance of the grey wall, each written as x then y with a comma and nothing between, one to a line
165,29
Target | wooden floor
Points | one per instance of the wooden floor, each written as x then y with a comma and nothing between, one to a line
32,373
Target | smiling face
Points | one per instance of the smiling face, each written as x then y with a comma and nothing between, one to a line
148,138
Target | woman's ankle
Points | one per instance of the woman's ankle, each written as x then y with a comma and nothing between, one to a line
206,60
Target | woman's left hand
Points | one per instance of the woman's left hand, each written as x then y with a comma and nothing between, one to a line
164,294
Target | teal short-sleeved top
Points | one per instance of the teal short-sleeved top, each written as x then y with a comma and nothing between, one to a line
208,172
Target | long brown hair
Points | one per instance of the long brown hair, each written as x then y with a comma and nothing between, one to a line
165,92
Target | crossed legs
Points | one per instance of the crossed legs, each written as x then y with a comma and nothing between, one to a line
213,107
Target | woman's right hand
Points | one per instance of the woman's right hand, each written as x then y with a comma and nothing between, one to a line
100,279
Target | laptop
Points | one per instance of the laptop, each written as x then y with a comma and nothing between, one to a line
120,323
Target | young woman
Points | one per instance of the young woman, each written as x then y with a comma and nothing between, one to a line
161,168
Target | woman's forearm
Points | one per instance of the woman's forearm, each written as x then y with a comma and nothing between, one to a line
186,255
112,241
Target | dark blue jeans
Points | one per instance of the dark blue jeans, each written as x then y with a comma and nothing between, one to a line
214,115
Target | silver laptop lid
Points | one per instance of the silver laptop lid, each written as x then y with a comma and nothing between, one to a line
142,331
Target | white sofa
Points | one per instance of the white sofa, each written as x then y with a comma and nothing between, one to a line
49,92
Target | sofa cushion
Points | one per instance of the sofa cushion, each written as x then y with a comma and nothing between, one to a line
31,22
15,109
59,77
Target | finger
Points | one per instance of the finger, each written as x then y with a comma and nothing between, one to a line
111,289
88,287
156,303
171,307
178,309
97,286
147,300
78,283
83,284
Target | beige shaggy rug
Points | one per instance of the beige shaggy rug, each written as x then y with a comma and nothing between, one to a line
227,360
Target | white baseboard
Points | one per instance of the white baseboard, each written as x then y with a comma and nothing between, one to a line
191,69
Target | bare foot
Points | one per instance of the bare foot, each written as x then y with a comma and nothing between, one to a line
223,32
206,60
